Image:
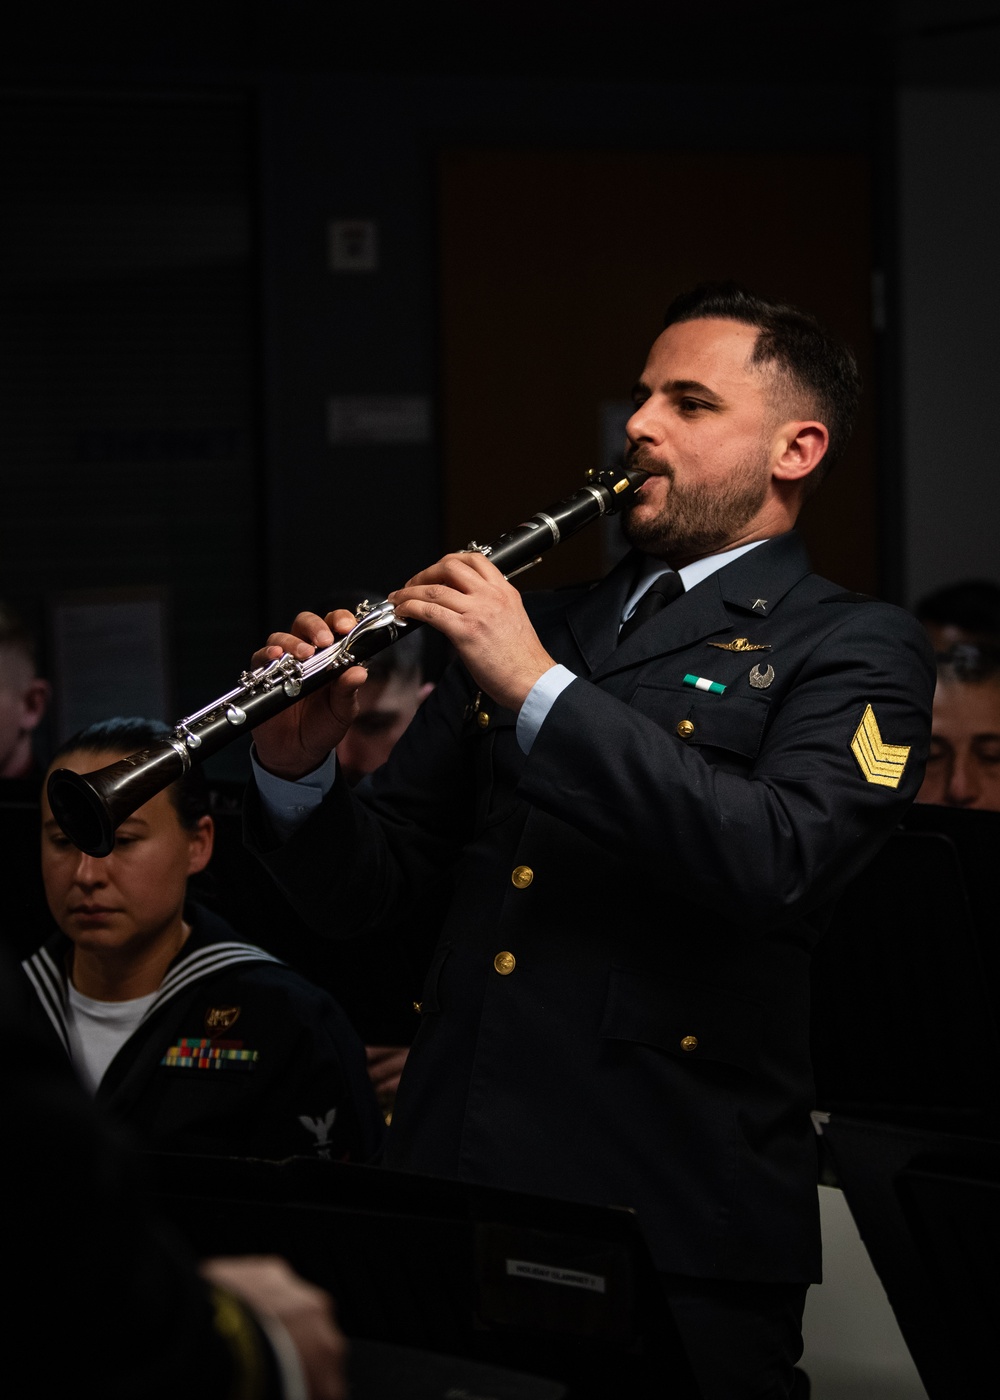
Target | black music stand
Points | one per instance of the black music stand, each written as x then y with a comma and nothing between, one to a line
905,982
927,1206
551,1288
975,837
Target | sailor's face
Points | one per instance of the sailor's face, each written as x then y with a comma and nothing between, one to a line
134,896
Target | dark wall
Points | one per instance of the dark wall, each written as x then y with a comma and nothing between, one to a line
235,502
370,147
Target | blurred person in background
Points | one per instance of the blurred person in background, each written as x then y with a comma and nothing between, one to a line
395,690
377,980
24,698
963,768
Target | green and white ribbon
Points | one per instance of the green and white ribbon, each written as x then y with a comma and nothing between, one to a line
703,683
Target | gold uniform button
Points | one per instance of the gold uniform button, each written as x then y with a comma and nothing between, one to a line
689,1042
505,963
482,719
521,876
418,1006
685,729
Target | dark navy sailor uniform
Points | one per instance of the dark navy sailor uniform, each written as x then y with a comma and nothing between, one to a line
237,1055
618,1007
104,1300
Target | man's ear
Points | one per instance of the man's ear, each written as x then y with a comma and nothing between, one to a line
800,447
34,702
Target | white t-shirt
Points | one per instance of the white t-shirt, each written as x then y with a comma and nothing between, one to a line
98,1030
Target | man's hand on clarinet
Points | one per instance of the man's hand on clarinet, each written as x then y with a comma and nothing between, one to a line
482,615
298,739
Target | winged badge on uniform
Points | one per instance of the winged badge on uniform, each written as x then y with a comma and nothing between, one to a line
740,644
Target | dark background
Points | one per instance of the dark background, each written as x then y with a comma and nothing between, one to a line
543,179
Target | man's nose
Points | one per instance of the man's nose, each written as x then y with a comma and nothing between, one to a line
963,782
642,425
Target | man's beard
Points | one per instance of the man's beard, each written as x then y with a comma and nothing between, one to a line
697,519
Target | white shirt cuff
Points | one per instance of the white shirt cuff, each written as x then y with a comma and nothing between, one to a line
286,1355
286,804
539,701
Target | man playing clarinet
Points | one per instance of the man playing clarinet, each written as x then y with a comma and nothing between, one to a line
648,793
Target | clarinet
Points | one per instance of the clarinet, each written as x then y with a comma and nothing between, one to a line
90,806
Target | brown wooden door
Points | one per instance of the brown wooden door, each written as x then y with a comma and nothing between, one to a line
556,268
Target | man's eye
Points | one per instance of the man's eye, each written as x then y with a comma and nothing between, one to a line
691,406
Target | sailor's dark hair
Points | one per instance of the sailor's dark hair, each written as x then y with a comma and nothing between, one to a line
189,794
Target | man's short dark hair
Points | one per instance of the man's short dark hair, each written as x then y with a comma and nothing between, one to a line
793,342
972,605
189,794
969,665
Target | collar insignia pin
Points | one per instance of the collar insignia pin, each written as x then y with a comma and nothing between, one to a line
759,679
759,605
741,644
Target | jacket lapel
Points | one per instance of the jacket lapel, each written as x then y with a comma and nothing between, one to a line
594,619
752,586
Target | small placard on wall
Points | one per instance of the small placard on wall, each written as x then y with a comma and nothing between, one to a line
109,657
373,418
353,245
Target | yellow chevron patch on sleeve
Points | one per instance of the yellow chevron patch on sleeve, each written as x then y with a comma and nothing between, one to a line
880,762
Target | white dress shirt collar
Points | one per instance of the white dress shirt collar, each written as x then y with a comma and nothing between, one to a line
691,574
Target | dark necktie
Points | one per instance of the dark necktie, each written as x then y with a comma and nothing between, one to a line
663,590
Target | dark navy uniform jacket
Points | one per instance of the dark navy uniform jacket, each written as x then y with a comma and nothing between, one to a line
238,1055
618,1007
